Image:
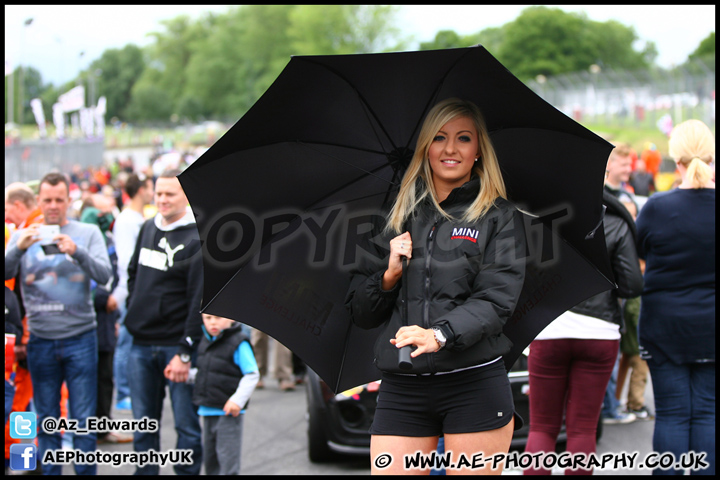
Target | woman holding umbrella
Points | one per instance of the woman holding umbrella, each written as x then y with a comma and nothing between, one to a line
465,244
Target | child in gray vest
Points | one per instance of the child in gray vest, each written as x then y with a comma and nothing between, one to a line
226,377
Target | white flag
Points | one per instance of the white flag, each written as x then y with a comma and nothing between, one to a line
36,105
100,117
86,121
101,106
59,120
73,99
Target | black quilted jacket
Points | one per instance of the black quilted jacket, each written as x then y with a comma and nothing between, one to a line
463,278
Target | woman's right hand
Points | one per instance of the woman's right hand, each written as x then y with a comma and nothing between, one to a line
400,246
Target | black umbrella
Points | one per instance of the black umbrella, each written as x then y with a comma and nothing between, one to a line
286,200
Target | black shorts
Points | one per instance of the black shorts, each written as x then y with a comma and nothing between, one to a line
473,400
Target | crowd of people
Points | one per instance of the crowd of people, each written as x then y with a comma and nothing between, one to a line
112,316
105,311
658,322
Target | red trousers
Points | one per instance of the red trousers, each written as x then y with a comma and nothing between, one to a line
567,376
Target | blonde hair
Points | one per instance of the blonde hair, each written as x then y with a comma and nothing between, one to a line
621,150
693,145
413,192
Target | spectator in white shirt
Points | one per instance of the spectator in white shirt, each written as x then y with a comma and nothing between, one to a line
125,231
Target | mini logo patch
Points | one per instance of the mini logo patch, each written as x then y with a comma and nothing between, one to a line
499,414
465,234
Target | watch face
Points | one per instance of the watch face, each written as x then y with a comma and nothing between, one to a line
439,336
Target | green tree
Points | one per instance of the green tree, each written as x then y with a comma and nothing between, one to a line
544,41
702,60
342,29
490,38
246,49
167,60
612,42
32,87
149,103
550,41
249,46
189,107
443,39
119,69
705,49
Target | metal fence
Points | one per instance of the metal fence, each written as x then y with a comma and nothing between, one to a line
639,98
31,160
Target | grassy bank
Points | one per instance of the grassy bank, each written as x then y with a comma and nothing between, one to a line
134,137
637,137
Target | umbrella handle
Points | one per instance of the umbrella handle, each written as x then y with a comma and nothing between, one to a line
404,359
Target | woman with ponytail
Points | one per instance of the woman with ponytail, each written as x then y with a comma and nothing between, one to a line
676,237
692,146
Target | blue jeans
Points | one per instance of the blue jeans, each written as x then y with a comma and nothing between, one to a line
9,395
74,361
684,411
147,390
611,405
120,365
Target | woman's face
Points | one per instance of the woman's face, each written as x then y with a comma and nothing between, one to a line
453,152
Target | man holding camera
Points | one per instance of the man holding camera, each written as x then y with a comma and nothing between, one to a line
56,262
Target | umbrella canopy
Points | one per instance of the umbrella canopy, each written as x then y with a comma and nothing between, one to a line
286,200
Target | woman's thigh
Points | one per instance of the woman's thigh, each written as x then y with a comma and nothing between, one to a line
474,453
387,453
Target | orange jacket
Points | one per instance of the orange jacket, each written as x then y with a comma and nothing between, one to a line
652,159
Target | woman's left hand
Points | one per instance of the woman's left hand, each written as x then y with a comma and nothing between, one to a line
422,338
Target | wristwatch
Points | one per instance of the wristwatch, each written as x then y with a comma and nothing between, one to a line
185,358
439,337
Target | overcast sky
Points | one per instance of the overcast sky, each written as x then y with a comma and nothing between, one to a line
63,39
